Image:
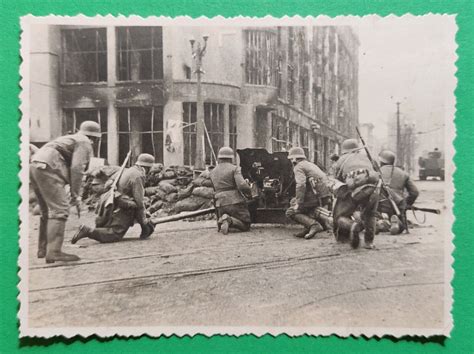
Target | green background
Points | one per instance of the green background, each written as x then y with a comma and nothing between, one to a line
461,340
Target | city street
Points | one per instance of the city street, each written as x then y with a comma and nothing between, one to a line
189,274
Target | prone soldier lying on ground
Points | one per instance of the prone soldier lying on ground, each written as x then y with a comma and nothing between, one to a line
129,207
229,185
355,170
398,181
311,192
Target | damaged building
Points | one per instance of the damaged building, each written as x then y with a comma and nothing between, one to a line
269,87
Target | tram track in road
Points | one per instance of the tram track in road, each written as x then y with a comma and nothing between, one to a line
276,263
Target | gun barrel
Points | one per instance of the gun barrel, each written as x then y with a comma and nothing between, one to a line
182,216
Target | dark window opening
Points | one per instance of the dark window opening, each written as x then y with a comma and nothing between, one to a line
261,57
214,120
279,133
84,55
189,132
141,130
233,127
140,53
73,118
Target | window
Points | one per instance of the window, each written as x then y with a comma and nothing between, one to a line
293,134
84,55
279,133
261,58
140,53
304,141
141,130
233,127
73,118
214,120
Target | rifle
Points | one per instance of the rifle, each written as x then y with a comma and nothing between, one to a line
106,203
426,210
384,186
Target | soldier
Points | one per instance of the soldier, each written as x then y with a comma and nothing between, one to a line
60,162
311,192
129,207
356,171
229,186
398,181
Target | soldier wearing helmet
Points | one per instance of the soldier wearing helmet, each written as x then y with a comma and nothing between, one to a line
355,170
404,193
59,163
129,206
229,186
311,192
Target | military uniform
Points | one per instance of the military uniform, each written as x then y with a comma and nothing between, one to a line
355,169
398,181
229,185
59,162
129,207
311,192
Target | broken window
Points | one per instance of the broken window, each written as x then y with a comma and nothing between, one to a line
140,53
279,133
84,55
214,121
304,141
73,118
141,131
261,57
233,127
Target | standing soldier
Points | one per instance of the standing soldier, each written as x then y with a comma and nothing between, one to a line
129,206
356,171
229,185
60,162
311,192
398,181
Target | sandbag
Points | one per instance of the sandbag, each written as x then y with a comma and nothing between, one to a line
169,174
156,206
204,192
167,187
172,197
149,191
190,204
186,192
207,183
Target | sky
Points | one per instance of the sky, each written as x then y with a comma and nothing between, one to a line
408,60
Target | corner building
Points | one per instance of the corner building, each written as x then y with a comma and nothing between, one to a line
269,87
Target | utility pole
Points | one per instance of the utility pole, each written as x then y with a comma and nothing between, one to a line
399,150
198,54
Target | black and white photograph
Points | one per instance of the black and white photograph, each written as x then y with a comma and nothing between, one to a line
236,175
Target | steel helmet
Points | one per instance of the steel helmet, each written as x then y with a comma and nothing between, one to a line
225,153
387,157
296,153
349,145
145,160
90,128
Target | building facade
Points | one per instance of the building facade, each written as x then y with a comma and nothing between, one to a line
268,87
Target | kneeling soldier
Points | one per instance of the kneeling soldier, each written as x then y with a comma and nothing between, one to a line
398,181
229,185
129,206
311,192
356,171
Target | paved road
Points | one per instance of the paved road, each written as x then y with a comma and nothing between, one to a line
189,274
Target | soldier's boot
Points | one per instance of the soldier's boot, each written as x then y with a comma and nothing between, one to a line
43,237
395,228
370,225
302,234
237,224
356,228
54,253
313,230
147,231
343,227
304,220
225,222
83,232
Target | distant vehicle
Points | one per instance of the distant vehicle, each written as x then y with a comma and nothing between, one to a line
431,165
